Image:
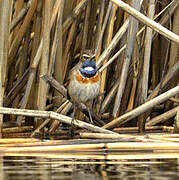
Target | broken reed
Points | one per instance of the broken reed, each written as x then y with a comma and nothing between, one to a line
44,37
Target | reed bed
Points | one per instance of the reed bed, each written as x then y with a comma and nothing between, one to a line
136,44
122,149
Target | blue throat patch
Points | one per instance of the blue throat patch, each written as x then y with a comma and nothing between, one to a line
88,73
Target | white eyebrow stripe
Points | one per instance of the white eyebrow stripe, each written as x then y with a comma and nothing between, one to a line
86,55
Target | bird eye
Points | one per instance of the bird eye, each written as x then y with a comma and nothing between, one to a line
85,56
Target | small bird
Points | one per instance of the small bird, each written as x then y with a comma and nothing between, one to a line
84,81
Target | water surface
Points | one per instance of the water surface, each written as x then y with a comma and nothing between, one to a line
87,168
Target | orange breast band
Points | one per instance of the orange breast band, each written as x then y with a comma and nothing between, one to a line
84,80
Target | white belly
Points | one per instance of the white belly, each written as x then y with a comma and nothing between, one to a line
83,92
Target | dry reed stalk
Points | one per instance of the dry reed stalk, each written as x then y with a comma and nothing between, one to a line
109,146
126,137
23,56
174,100
133,27
132,156
92,21
44,64
52,82
40,127
56,142
17,41
23,28
143,108
20,16
102,163
146,65
171,8
68,8
17,129
174,57
156,63
108,27
35,62
17,135
65,104
4,45
147,53
166,139
53,115
125,14
65,142
56,51
164,135
126,94
162,117
176,127
56,59
56,123
110,16
135,62
18,6
69,20
109,97
155,26
173,72
112,59
120,138
28,143
66,53
147,156
16,89
114,42
158,135
86,26
147,128
170,140
37,26
18,140
144,146
99,30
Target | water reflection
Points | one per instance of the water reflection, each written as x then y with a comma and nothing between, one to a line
16,167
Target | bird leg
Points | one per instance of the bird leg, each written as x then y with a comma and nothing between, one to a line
72,127
89,111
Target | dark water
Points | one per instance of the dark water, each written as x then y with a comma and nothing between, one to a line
44,167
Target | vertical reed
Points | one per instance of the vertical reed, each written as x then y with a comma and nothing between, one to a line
133,26
5,13
44,64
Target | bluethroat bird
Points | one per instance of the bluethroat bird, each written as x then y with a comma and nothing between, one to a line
84,81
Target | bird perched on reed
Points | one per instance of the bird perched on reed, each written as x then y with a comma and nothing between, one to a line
84,81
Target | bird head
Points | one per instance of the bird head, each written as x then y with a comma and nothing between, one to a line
88,67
